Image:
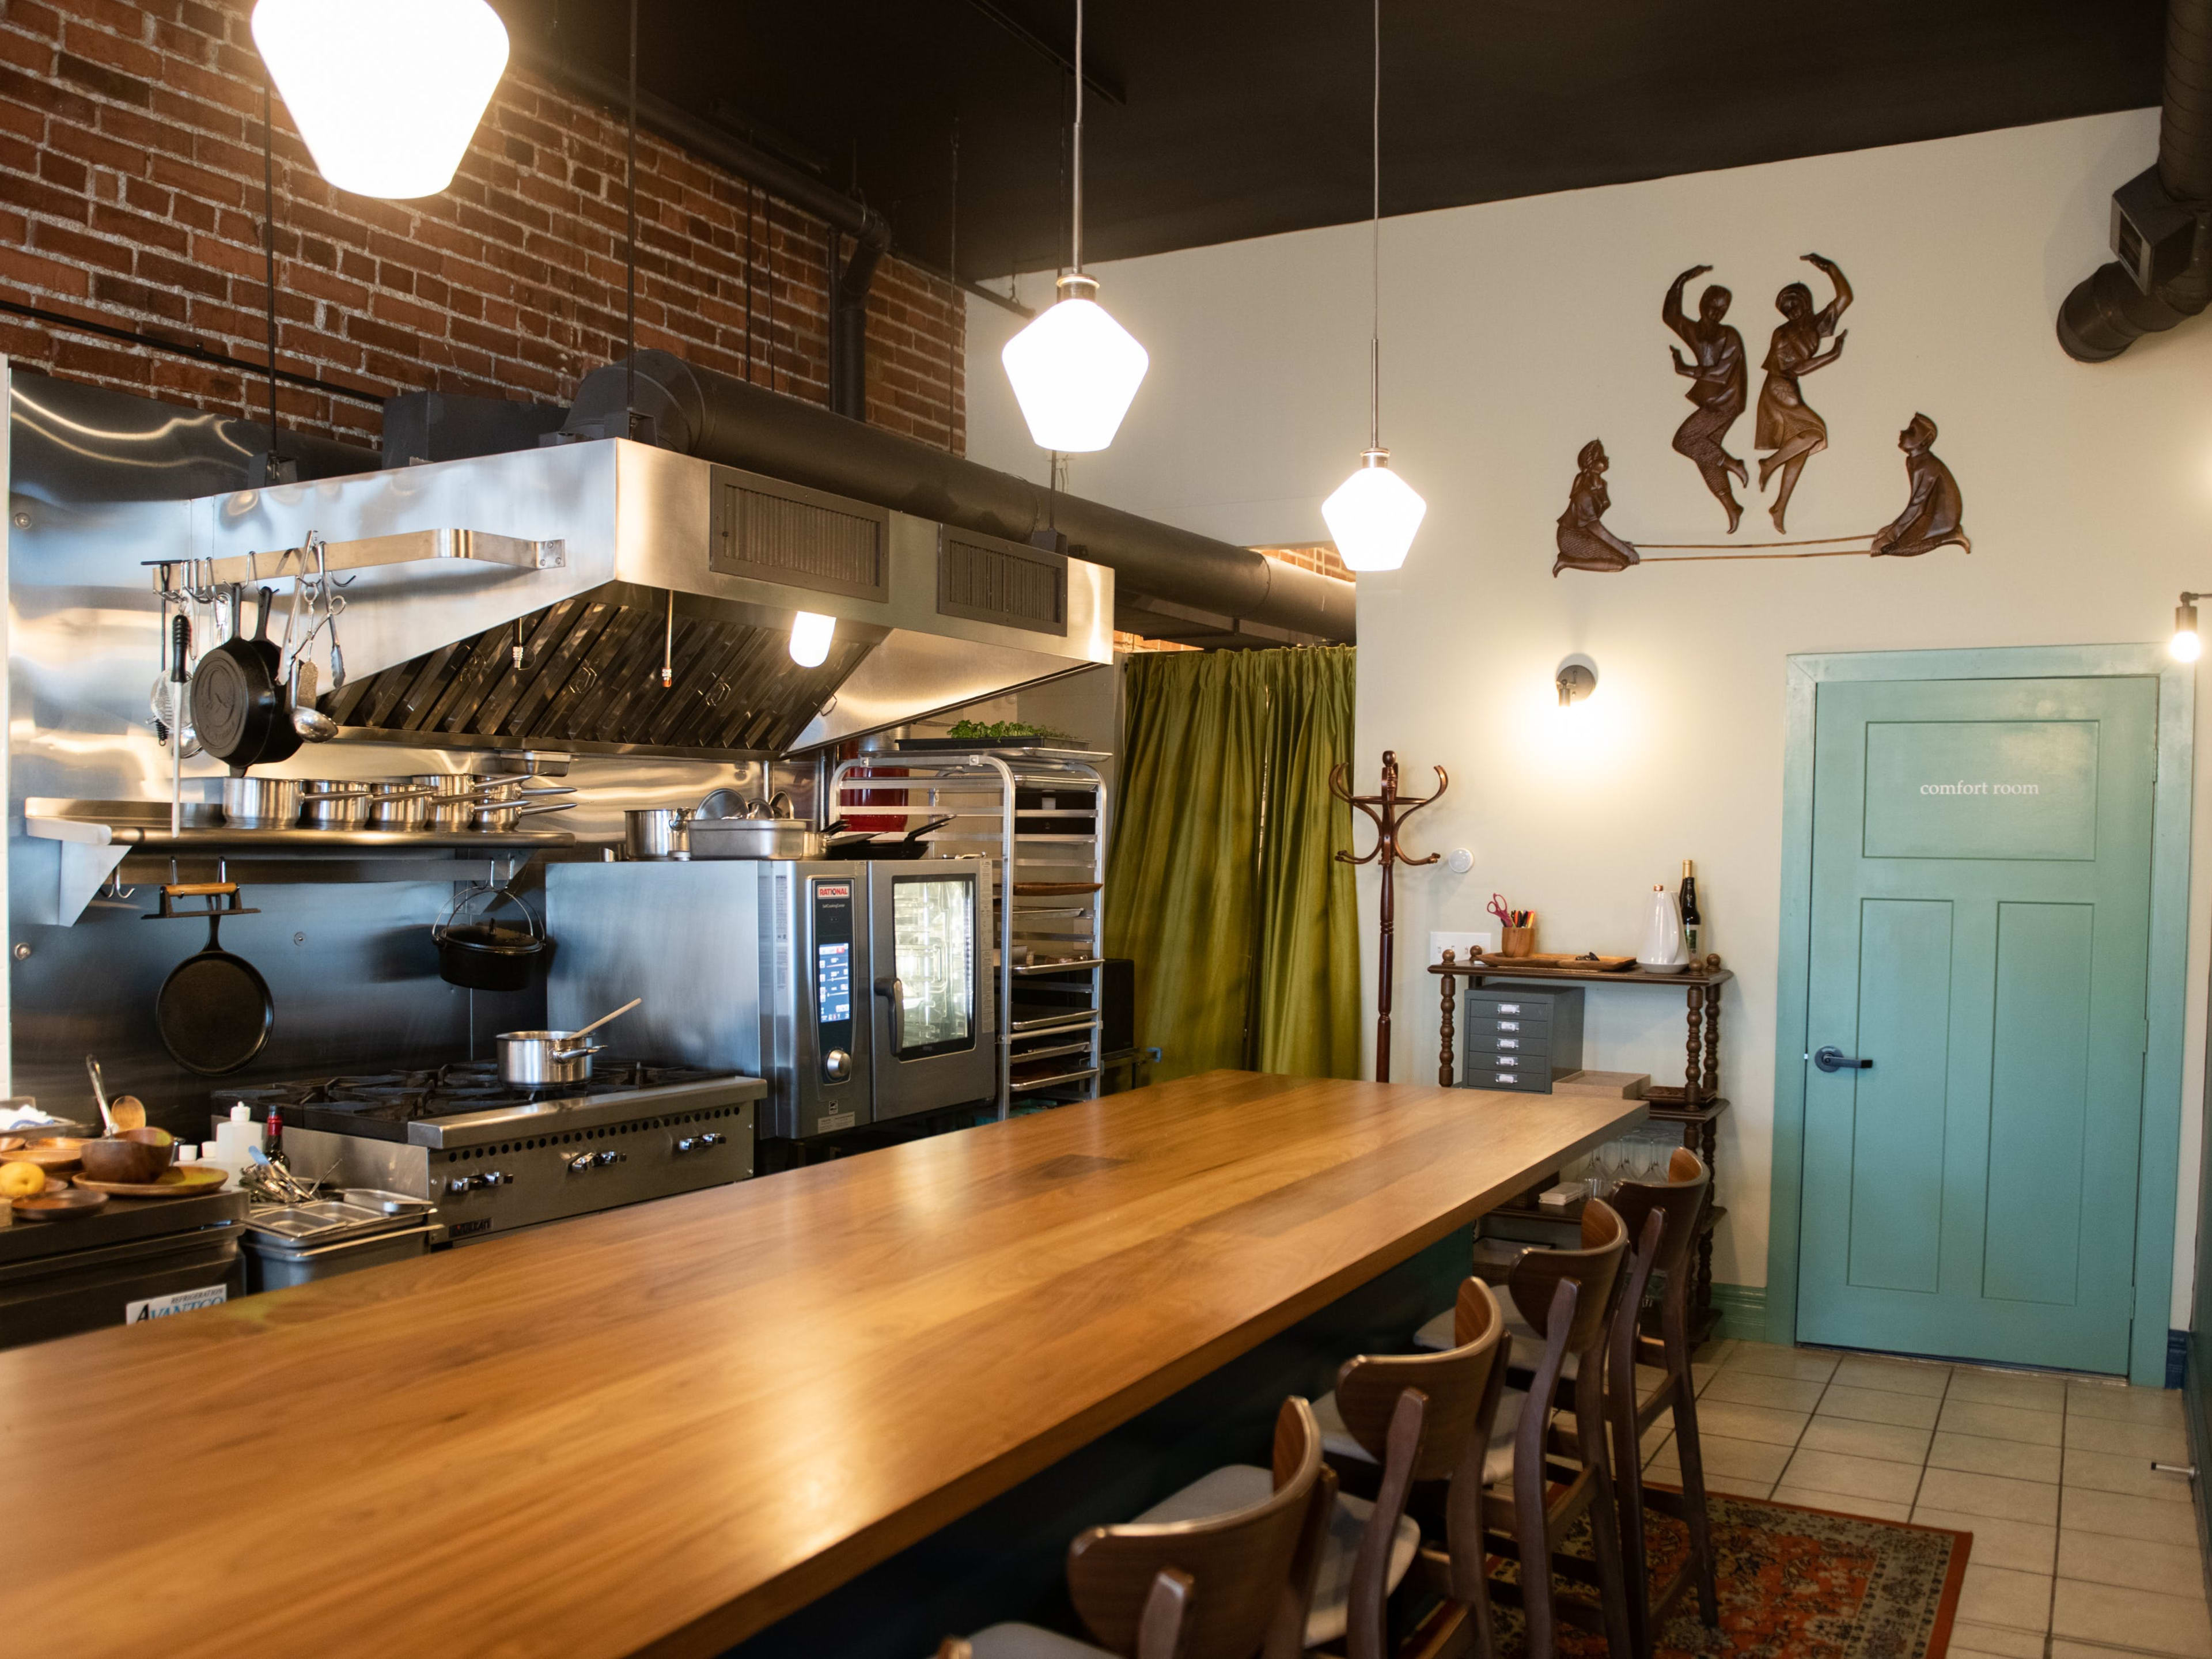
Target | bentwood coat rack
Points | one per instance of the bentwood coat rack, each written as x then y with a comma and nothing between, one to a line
1389,812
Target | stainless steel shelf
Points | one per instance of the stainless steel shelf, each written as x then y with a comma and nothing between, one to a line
146,824
1061,1081
1062,967
1080,1019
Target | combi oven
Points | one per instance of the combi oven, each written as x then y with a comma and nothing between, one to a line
860,990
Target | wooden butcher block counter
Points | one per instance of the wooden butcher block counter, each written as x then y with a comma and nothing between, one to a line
662,1428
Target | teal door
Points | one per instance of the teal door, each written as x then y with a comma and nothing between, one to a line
1981,907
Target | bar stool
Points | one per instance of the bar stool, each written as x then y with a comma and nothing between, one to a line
1532,1498
1394,1419
1231,1584
1678,1205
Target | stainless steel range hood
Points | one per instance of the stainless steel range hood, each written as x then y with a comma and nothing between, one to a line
645,557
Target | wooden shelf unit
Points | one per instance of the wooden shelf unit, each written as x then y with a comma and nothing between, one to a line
1695,1105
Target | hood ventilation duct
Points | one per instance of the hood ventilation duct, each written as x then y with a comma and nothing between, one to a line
1168,583
2162,218
611,597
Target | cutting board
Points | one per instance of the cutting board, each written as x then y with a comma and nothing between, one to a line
1546,959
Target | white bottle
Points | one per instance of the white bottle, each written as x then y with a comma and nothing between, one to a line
1662,952
232,1139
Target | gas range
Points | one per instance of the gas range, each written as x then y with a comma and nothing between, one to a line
493,1158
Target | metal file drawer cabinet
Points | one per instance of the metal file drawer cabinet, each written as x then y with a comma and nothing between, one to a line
1518,1038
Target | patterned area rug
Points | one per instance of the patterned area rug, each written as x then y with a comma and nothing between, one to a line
1797,1585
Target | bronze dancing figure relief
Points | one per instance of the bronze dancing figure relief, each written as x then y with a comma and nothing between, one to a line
1789,428
1931,518
1584,542
1717,380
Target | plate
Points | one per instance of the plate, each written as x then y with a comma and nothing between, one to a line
57,1153
184,1181
64,1204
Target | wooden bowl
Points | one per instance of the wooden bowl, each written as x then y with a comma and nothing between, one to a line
133,1155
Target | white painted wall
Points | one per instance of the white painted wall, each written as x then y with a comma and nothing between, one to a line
1515,331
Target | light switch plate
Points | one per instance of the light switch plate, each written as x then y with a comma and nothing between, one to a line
1462,944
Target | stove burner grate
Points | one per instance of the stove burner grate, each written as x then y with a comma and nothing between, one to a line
384,1102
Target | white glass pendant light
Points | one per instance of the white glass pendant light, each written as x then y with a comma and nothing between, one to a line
386,93
1074,369
1374,514
811,633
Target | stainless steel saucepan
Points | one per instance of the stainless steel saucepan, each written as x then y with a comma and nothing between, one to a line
544,1060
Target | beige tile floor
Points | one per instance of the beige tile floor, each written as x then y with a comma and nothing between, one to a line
2081,1550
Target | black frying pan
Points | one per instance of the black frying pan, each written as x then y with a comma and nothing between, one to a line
238,705
214,1010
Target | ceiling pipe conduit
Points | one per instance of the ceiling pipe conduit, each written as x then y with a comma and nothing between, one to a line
870,231
2110,310
698,411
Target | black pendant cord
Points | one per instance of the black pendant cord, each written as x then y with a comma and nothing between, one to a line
952,267
630,254
269,254
1075,207
749,284
1375,248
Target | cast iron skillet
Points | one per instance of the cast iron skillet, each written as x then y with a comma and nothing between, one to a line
238,704
214,1010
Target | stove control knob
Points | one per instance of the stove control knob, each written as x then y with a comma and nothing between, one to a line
581,1161
494,1178
837,1065
707,1140
607,1159
689,1143
459,1184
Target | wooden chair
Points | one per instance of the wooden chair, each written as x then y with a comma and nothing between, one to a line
1676,1207
1231,1584
1395,1420
1533,1498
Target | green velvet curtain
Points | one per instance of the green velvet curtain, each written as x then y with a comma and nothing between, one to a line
1220,881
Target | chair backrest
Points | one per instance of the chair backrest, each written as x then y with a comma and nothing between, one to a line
1250,1572
1681,1197
1591,1269
1620,1346
1455,1381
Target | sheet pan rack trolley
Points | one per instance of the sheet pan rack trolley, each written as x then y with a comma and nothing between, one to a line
1695,1104
1039,815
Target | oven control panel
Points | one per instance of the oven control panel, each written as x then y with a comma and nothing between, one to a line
833,976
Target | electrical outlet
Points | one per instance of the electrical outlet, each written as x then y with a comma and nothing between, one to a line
1462,944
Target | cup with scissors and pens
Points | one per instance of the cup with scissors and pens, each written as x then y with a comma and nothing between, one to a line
1516,929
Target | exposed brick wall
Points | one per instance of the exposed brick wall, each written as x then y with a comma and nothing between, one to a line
1318,556
131,191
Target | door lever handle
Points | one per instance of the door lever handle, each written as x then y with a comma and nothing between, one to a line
1832,1059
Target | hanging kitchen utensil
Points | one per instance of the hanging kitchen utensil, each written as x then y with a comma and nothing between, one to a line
99,1094
238,700
475,950
214,1010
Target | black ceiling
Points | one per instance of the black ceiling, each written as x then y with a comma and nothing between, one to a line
1243,118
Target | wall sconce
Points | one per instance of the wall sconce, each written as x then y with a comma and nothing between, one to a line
1575,680
2186,645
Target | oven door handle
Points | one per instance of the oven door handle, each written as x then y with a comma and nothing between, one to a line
896,991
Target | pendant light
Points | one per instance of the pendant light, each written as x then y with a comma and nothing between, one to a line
386,93
1374,513
1074,368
